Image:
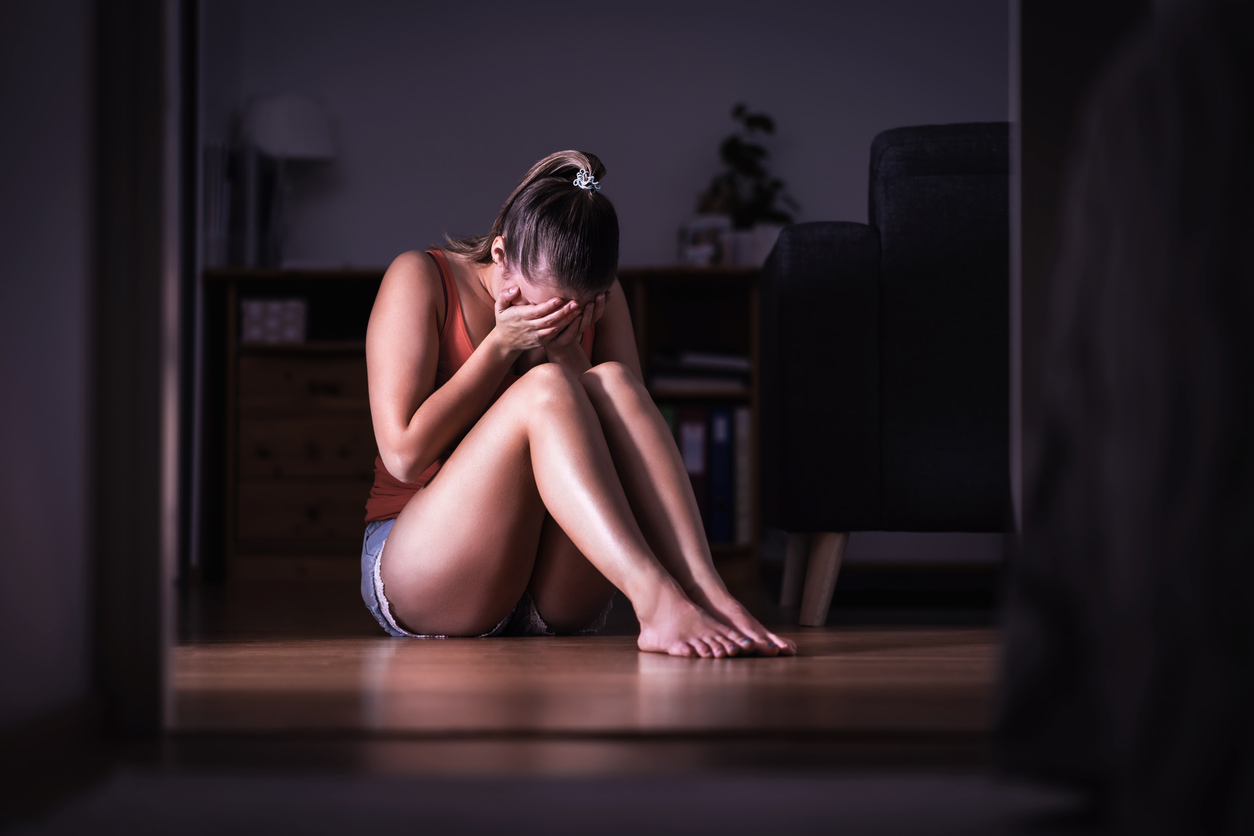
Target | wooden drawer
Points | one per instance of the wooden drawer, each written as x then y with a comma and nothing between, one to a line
298,384
322,516
306,447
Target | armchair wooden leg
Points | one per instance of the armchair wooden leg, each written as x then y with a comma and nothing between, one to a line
795,557
827,548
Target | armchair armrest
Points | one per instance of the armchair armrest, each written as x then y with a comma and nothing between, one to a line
820,407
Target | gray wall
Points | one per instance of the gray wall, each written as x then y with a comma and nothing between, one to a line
45,191
439,108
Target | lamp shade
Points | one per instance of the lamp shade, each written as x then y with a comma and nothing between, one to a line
290,126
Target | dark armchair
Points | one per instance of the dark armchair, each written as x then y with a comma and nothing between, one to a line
885,357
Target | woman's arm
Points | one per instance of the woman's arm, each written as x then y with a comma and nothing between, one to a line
414,422
402,350
615,339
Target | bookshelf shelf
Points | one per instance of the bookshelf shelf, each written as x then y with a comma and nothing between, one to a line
699,394
293,277
720,550
316,347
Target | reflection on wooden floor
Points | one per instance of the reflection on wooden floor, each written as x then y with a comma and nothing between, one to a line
869,680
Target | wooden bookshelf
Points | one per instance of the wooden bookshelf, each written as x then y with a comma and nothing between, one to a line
297,514
294,433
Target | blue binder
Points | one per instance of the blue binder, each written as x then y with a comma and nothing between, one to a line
722,484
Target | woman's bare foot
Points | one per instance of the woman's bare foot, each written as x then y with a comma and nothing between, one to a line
681,628
731,612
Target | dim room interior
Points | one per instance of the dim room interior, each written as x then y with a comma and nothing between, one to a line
839,365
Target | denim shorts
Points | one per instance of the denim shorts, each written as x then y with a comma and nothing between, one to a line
523,620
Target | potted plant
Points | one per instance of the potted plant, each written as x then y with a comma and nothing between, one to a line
755,203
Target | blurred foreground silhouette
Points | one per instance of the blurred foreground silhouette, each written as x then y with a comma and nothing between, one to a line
1130,630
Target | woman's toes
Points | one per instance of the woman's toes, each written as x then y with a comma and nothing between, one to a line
784,645
762,645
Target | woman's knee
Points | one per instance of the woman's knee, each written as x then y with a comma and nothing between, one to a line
549,385
611,377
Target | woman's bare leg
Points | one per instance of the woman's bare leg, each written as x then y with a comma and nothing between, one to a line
461,552
568,591
660,493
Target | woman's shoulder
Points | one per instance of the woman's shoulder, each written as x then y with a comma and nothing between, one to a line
411,292
413,279
411,266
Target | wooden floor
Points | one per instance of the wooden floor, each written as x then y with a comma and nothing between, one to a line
257,672
292,713
869,681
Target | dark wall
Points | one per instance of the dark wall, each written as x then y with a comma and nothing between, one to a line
440,108
45,218
82,235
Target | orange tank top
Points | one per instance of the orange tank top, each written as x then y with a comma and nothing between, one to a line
389,495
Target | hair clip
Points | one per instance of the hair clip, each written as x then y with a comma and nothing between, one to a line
584,180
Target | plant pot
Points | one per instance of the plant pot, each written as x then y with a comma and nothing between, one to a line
750,247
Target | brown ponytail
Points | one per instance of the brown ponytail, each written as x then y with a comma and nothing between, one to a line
554,231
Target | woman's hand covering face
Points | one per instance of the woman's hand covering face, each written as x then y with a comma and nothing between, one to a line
521,326
588,316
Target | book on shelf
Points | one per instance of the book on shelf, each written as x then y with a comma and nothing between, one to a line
721,488
712,361
707,371
744,484
663,384
691,421
715,443
668,415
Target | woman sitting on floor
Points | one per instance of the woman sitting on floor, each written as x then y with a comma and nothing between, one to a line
524,472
